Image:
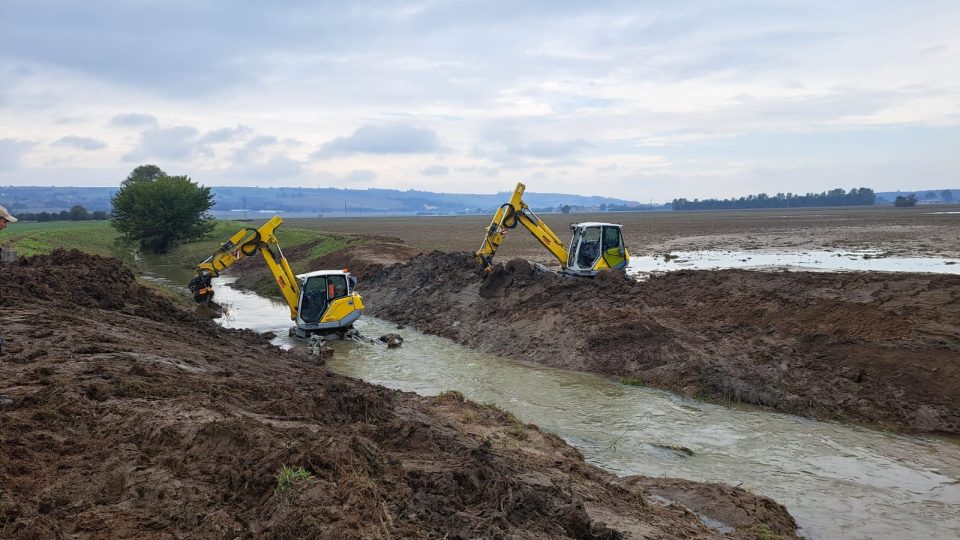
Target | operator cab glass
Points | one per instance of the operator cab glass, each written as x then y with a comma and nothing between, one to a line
317,292
595,241
589,250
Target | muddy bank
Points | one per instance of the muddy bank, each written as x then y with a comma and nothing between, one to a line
877,348
124,416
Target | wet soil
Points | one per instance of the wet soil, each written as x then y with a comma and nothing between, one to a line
867,347
124,415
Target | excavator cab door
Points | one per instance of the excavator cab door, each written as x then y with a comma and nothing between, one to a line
595,247
584,249
313,300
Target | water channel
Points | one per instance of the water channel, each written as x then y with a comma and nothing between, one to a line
838,481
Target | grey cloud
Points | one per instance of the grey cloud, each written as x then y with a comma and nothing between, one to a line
11,151
276,168
549,149
80,143
134,120
253,148
362,175
435,170
486,171
175,143
226,134
389,139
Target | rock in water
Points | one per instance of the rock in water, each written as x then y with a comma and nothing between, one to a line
392,340
320,348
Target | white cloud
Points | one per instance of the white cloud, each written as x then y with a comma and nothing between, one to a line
80,143
12,151
134,120
502,89
387,139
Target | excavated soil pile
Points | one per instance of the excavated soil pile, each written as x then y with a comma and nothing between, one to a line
123,416
882,348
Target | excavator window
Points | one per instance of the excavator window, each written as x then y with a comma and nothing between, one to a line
589,247
336,287
313,301
611,238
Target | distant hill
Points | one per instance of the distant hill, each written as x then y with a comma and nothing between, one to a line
294,201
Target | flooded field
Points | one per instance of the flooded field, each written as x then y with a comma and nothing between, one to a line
825,261
837,480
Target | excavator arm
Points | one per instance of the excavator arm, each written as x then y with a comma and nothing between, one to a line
508,217
247,242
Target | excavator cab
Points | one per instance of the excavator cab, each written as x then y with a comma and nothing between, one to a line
327,302
594,247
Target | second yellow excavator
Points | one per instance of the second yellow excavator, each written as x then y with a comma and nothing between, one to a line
323,302
595,246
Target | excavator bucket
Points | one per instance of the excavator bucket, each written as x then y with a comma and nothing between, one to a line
201,288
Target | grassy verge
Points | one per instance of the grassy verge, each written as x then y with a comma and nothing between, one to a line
99,238
96,237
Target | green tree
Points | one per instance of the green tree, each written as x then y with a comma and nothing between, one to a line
565,209
78,213
159,211
905,202
143,173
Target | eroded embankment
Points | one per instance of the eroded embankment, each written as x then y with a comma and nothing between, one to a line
879,348
124,416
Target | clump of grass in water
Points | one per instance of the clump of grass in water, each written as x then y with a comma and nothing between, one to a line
288,476
632,381
452,394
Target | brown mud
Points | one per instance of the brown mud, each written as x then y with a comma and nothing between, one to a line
126,416
867,347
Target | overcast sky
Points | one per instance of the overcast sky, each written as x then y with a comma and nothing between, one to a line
640,100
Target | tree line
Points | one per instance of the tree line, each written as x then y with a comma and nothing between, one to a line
834,197
76,213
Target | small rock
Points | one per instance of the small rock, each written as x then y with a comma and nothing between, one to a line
268,334
5,401
392,340
320,348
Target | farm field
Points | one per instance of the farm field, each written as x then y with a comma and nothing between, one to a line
894,231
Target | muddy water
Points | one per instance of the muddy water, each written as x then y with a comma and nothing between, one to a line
826,261
839,481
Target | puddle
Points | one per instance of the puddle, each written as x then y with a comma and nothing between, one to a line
824,261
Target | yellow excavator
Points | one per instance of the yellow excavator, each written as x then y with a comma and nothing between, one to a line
322,303
594,247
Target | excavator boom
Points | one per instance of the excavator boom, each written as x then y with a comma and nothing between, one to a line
244,243
508,216
594,247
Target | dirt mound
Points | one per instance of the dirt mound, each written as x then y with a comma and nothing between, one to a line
69,278
126,417
882,348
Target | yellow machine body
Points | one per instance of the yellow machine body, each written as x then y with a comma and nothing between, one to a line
595,246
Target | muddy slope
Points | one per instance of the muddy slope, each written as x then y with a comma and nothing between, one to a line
123,416
880,348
